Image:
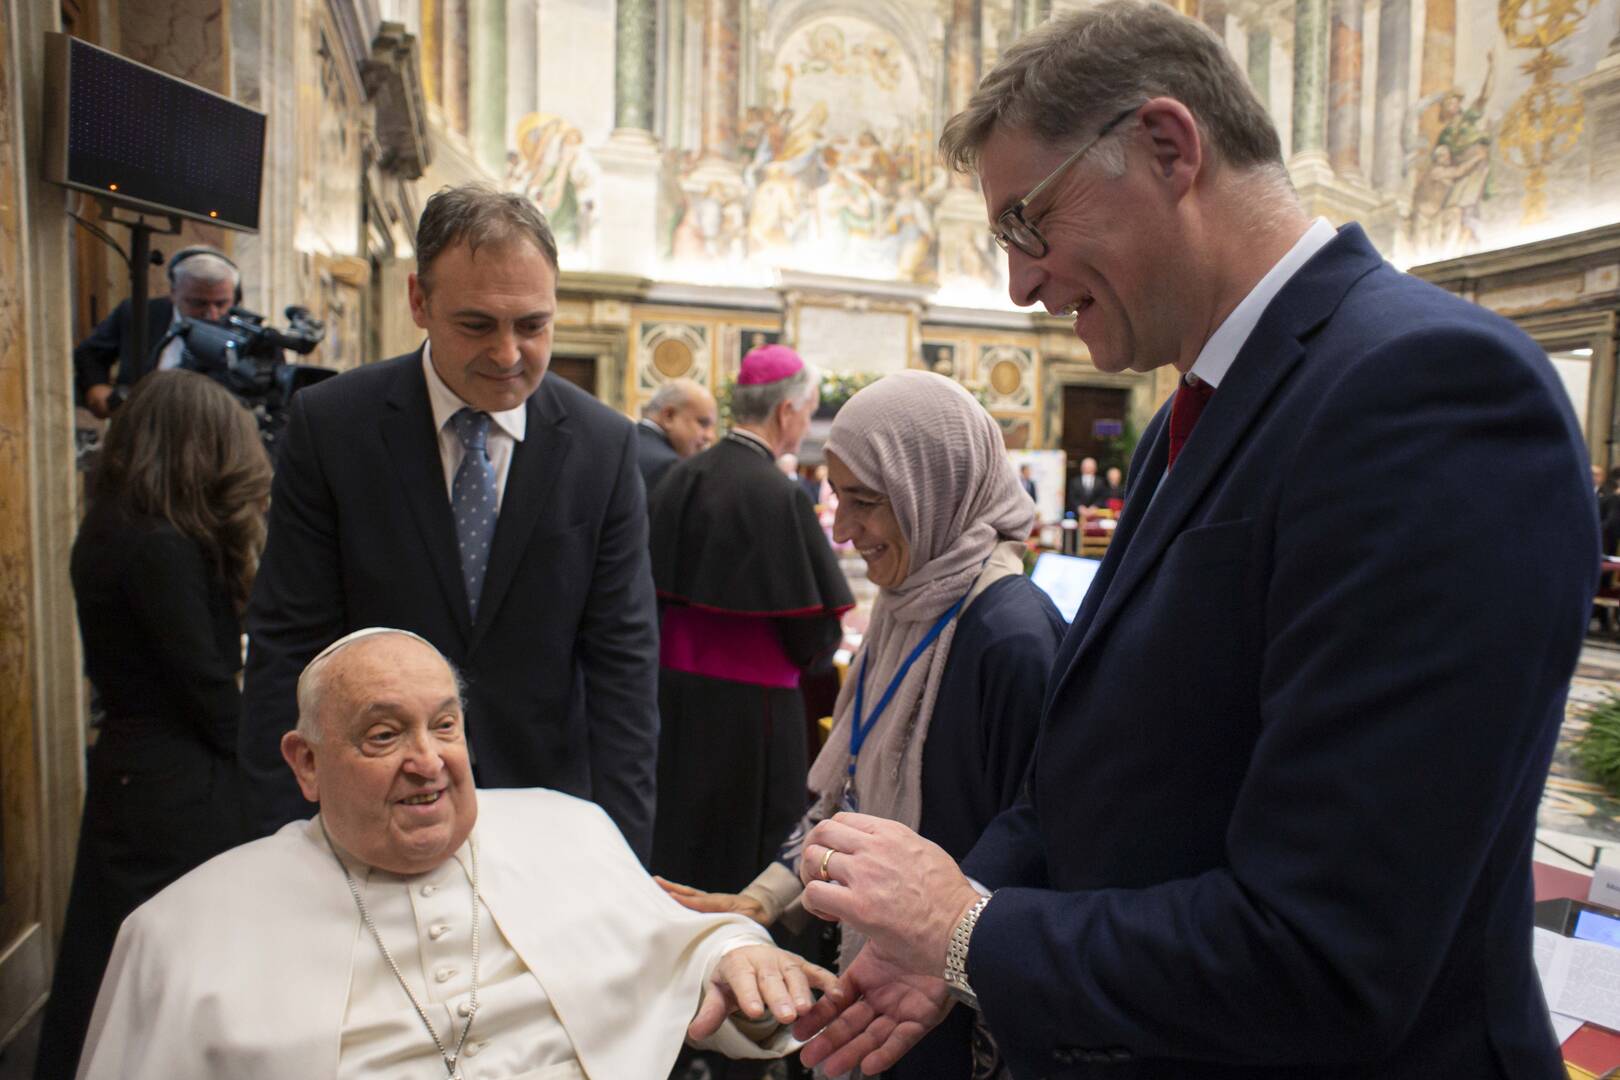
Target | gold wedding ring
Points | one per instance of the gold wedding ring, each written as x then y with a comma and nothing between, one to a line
824,859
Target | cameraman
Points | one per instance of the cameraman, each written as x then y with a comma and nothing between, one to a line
203,284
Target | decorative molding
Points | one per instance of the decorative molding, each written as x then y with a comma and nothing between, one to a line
393,82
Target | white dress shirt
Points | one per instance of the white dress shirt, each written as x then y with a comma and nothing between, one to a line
506,431
426,922
175,350
1215,358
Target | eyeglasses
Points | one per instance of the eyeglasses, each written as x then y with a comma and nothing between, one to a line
1013,230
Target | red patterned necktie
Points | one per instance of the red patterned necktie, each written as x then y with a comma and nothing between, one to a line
1191,397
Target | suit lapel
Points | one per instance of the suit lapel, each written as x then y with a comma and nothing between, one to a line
537,461
1261,366
413,447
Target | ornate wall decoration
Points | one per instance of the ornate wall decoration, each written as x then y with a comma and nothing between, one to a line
550,164
1008,375
671,350
836,171
1544,125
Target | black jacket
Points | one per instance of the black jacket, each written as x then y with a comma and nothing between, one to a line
109,345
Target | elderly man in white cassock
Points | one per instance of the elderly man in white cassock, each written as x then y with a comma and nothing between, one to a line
351,945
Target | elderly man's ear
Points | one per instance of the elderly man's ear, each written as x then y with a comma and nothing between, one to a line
300,757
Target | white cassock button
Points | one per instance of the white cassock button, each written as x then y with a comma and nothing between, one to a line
472,1049
464,1009
429,890
438,930
444,975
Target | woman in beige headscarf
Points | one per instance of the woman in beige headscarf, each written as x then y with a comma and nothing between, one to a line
935,725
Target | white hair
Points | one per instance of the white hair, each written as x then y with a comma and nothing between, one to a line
755,404
312,681
205,269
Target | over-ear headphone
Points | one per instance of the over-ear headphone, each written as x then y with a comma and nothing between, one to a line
204,249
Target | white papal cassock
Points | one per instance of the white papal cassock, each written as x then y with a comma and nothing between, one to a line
257,964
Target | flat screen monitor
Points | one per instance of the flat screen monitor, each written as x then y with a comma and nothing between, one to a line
1065,578
148,141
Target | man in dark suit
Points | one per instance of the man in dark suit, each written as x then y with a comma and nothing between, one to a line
1086,489
1281,814
456,493
203,284
676,423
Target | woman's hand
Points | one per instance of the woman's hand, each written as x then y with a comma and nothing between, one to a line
714,902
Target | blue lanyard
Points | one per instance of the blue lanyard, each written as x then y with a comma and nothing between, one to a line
860,729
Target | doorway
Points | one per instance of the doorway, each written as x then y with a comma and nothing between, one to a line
1094,426
579,370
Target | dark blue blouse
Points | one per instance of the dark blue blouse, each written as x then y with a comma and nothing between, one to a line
980,741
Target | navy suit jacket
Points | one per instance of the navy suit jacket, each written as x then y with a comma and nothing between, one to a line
654,455
1280,818
561,667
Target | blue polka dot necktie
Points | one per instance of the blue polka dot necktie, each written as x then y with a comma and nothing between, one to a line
473,501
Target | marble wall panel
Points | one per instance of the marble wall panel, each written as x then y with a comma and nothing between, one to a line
19,850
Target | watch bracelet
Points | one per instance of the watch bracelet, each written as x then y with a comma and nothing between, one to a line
957,949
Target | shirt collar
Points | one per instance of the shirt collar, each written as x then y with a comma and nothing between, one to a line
755,440
446,403
1215,359
653,426
364,871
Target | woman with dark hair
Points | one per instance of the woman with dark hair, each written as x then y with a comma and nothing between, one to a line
162,567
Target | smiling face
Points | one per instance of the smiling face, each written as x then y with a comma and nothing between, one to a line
865,518
390,769
689,426
1111,261
489,316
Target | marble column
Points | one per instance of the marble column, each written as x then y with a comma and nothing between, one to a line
635,66
1439,70
1394,81
432,38
964,47
522,60
454,91
1600,92
721,88
1028,14
1344,89
486,83
1259,64
626,239
959,220
1310,78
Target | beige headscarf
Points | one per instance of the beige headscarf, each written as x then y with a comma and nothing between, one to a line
921,440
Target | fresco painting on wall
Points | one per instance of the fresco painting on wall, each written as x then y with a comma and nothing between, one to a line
1504,155
549,162
837,172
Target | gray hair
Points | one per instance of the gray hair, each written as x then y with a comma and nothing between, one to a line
206,269
1063,81
478,215
672,395
312,681
755,404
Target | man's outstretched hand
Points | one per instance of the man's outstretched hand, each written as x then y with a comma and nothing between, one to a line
757,979
879,1012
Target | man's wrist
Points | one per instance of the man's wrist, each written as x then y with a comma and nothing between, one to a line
956,952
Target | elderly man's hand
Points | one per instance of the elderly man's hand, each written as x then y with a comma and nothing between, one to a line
757,979
903,892
881,1012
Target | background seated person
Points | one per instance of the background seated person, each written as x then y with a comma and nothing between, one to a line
351,945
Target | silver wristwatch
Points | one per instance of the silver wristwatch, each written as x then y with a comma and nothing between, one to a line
957,951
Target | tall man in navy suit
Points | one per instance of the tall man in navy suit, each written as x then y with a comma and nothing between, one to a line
1281,814
457,493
